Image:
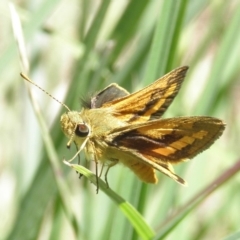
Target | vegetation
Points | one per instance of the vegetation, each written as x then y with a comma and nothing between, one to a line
76,48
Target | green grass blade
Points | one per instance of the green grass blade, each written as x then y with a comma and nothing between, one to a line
228,45
234,236
137,221
170,224
163,37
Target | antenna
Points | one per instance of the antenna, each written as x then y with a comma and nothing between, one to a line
29,80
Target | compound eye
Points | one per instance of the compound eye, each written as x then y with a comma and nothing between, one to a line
82,130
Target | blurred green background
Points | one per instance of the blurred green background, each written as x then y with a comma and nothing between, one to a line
76,48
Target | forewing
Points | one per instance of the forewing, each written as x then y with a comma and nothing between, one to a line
150,102
110,93
170,140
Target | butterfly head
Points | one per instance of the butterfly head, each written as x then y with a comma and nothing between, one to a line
74,127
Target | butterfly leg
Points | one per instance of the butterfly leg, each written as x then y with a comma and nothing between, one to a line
96,173
113,163
79,159
103,165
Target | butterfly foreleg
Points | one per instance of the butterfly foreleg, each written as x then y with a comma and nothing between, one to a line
79,159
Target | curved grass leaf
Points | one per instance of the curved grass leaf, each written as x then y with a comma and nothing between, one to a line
137,221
